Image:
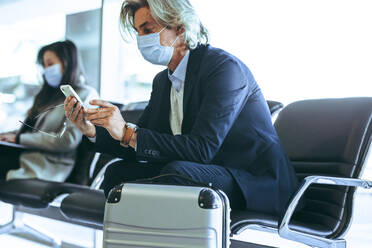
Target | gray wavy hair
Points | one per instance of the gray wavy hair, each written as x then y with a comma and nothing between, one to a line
170,13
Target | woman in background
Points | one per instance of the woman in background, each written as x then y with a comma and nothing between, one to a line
53,150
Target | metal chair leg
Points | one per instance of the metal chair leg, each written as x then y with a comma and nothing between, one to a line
10,226
339,243
94,238
42,235
7,228
17,226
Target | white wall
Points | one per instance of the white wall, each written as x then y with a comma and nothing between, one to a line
297,49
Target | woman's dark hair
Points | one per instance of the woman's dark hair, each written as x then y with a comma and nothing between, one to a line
48,96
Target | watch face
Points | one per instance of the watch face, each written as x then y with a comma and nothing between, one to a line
131,125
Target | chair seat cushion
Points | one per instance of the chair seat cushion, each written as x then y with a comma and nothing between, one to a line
86,207
34,193
241,220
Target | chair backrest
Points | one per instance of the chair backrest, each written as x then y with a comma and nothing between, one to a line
133,111
328,137
83,160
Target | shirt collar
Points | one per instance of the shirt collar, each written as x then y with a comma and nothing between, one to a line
179,75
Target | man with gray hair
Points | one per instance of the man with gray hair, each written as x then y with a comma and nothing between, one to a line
206,119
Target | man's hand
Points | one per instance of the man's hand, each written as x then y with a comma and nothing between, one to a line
8,137
75,112
107,116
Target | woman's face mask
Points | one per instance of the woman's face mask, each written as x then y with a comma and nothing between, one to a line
53,75
151,49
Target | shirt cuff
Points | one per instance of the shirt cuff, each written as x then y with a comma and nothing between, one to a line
93,140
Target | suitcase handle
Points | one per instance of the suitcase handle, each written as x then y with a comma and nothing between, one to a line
192,181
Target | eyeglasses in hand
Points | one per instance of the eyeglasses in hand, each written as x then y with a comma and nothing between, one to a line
59,134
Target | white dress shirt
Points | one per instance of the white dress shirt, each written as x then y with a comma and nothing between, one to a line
176,95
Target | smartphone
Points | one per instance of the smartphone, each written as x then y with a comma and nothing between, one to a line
67,90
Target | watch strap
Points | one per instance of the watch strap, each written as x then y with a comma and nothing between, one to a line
129,129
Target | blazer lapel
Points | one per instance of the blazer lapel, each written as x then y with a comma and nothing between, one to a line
164,108
192,72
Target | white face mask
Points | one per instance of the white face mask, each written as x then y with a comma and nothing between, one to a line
53,75
151,49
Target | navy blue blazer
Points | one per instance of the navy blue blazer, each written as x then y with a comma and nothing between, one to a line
226,122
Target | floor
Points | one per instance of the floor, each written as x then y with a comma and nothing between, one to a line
359,235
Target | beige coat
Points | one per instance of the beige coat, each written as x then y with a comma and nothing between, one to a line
53,158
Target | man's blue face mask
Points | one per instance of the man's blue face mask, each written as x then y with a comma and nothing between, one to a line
151,49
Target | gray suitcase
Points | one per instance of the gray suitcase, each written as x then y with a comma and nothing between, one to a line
162,216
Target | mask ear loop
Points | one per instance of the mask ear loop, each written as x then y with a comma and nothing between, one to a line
175,41
162,29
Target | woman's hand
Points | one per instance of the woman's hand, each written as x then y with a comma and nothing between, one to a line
107,116
8,137
75,113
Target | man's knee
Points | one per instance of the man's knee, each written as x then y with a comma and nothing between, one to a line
174,167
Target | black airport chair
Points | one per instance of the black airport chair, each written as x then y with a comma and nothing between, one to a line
328,141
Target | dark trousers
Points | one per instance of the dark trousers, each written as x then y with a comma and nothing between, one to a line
9,160
123,171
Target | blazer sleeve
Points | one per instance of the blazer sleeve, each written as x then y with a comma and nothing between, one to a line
226,93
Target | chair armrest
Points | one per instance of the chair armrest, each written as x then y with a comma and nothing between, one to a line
286,232
97,182
14,145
